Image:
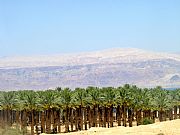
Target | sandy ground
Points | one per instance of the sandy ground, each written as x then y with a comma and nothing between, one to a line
159,128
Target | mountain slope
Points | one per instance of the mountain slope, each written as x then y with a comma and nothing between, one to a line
112,67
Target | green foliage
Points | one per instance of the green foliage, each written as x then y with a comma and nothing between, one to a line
8,100
107,96
127,95
146,121
11,131
66,100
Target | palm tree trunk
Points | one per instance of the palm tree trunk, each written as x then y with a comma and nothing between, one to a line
179,111
37,121
5,117
95,116
32,122
154,116
118,115
89,117
59,121
175,112
100,117
85,118
124,115
17,119
81,117
66,120
48,121
76,119
8,118
144,113
149,114
130,113
54,118
13,119
170,114
104,116
108,117
160,115
167,115
139,117
111,116
23,120
1,118
42,122
71,119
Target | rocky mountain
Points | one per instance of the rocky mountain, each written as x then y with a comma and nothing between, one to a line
113,67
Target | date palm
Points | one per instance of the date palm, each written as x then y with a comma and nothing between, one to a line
162,102
175,96
124,99
80,98
92,106
94,101
66,102
30,103
48,101
7,104
109,101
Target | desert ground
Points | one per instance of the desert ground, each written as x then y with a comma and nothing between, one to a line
159,128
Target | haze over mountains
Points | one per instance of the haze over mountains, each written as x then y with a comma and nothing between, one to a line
113,67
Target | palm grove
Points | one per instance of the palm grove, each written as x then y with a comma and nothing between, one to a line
64,110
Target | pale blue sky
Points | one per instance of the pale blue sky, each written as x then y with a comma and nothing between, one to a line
29,27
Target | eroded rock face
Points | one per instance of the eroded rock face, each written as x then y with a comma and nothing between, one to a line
113,67
175,78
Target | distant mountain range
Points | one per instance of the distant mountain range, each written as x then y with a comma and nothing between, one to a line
113,67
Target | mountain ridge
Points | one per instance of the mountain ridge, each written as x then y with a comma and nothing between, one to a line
112,67
126,54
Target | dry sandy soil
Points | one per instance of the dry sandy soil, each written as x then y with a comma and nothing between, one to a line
159,128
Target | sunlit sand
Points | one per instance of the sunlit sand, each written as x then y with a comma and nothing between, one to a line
159,128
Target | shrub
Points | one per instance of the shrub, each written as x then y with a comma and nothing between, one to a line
146,121
11,131
161,134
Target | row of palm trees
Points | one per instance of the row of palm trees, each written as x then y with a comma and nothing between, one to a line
64,110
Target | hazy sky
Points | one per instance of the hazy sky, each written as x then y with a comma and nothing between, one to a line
59,26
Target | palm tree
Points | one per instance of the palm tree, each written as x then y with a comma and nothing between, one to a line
80,97
7,103
123,98
92,106
146,103
30,102
137,103
94,101
66,98
162,102
41,108
49,100
178,100
109,102
175,95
